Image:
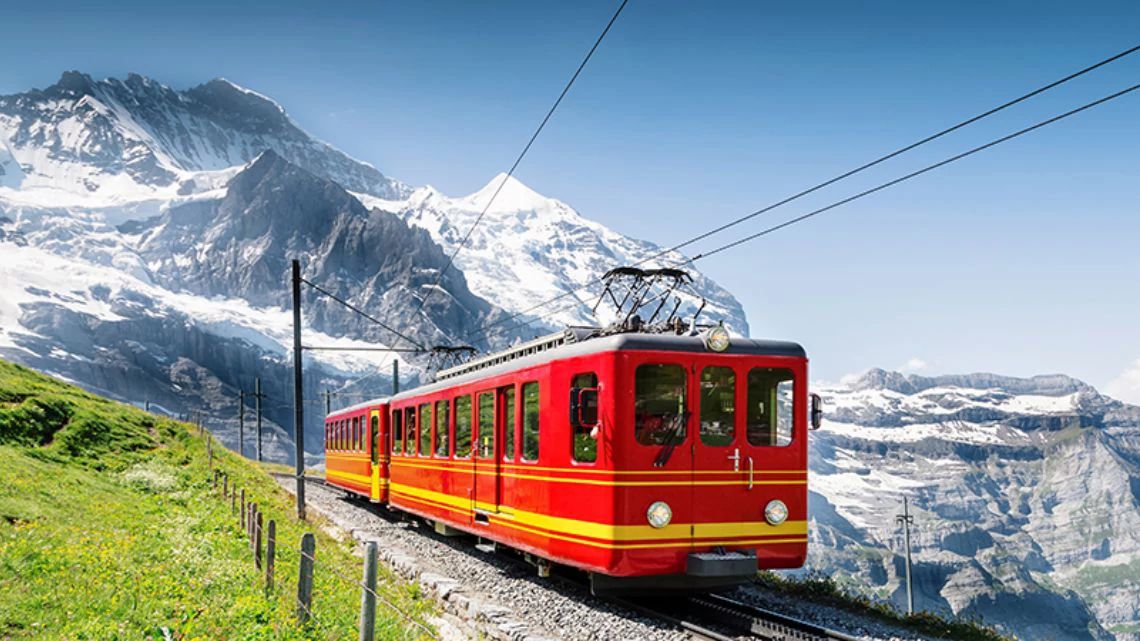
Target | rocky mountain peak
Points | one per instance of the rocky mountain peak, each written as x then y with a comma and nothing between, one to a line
74,83
242,108
1043,385
136,139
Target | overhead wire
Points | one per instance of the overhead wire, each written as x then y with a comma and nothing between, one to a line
510,173
913,174
480,332
362,312
872,190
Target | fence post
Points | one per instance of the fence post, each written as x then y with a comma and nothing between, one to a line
270,554
368,594
252,525
233,500
257,542
243,525
305,579
225,485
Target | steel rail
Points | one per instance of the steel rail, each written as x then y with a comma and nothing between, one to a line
764,623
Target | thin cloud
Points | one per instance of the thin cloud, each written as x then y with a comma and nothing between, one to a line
913,365
1126,386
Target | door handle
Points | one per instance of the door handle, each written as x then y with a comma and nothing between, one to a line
735,458
750,473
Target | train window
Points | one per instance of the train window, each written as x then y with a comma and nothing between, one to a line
770,406
375,440
463,427
508,423
425,429
584,444
410,431
530,422
718,405
355,433
660,416
442,429
397,432
486,447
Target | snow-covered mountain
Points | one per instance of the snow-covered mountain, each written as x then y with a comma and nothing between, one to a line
1025,494
116,140
193,201
529,249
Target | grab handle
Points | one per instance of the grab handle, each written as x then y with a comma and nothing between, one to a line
749,473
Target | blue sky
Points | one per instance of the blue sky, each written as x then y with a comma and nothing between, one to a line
1023,260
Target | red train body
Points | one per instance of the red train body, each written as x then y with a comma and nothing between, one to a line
649,461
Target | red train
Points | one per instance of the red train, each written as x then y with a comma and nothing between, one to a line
650,461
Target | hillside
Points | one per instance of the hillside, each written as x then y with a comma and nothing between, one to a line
1025,494
110,529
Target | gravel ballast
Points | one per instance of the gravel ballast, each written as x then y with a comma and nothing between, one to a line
496,597
488,595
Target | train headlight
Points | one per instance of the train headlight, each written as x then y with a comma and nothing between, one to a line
776,512
659,514
717,339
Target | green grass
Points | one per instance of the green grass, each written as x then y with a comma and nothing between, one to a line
824,590
110,529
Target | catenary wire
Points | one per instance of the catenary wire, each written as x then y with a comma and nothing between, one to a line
518,160
913,174
819,186
361,312
868,192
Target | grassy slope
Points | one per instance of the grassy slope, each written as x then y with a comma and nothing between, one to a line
109,529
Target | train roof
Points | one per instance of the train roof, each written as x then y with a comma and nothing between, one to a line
575,342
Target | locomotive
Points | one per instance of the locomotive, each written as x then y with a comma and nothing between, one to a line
650,460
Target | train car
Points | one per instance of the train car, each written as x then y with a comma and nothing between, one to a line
356,456
650,461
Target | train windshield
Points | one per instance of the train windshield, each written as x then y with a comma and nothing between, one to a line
659,404
770,406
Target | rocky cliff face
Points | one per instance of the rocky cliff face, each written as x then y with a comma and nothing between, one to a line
135,137
1026,495
241,245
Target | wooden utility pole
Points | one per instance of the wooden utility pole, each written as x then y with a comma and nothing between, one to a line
298,402
241,423
906,519
257,405
395,376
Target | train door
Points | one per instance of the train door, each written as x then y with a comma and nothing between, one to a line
743,454
489,428
663,449
724,466
376,447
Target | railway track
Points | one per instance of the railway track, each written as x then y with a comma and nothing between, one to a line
716,617
708,616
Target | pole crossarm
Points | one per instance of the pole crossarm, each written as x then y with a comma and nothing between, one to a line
329,348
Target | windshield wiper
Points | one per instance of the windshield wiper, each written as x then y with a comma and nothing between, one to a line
676,433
